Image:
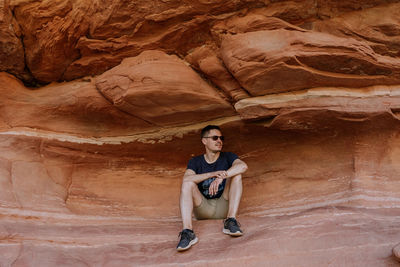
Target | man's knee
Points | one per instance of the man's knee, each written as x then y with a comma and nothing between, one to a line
236,179
234,182
187,186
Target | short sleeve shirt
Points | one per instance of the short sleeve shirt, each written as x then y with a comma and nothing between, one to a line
199,165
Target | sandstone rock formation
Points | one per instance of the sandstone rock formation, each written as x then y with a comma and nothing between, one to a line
135,87
102,103
11,51
267,62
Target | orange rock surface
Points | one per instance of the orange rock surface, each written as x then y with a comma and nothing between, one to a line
101,104
161,90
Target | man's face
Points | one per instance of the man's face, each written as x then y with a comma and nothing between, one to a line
210,143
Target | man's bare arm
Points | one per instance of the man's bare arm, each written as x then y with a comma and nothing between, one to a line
238,167
190,175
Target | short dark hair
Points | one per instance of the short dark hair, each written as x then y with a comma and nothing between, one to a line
208,128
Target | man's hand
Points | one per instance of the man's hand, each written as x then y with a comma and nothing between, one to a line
220,176
213,189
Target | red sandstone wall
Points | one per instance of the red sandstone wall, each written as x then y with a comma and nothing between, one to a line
101,103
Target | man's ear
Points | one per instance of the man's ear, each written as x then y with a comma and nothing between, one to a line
203,140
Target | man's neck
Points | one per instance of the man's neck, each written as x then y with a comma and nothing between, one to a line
211,156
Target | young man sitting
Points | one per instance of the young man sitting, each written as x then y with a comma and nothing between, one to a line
211,188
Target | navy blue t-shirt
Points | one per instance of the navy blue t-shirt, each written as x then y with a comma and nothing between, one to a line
199,165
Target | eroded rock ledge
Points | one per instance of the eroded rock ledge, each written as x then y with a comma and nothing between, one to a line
306,92
89,37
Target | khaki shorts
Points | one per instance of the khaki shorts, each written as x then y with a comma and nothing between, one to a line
216,208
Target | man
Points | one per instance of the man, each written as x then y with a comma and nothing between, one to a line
211,188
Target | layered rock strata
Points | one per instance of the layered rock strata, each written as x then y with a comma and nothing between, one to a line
89,37
92,157
301,187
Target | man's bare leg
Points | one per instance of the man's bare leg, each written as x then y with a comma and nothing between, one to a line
233,194
231,226
190,196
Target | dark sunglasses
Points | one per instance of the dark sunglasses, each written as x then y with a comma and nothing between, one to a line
215,137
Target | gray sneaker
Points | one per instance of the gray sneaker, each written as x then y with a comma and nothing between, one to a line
232,227
188,239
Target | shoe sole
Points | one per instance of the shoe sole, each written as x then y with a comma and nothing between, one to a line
227,232
191,243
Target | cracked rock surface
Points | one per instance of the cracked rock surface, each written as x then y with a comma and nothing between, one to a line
101,104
